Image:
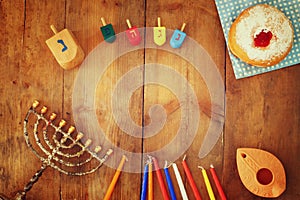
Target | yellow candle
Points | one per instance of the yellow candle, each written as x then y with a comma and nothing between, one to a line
115,179
150,182
207,184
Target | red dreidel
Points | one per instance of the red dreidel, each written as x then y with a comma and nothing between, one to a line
159,34
178,37
133,34
107,31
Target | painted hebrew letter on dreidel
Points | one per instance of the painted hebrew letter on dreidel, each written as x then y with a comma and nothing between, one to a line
64,46
65,49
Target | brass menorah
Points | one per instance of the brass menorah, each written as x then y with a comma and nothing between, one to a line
62,150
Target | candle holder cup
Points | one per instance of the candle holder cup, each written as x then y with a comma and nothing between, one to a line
62,150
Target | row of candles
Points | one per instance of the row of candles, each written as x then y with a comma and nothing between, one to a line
147,183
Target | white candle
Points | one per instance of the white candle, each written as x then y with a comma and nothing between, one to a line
180,182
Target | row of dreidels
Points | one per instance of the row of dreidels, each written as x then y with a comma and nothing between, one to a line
134,36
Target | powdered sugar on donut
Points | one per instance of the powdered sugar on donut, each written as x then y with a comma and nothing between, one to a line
261,18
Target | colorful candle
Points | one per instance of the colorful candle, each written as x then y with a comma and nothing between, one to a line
115,179
217,183
190,179
145,183
160,180
180,182
169,182
150,182
207,184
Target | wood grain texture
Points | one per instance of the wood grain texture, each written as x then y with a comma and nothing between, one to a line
261,112
257,108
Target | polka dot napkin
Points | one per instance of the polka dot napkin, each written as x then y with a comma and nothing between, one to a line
229,9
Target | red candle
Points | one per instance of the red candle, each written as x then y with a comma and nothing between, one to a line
160,180
217,182
190,179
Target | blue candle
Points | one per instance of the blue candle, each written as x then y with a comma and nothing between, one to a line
144,184
170,185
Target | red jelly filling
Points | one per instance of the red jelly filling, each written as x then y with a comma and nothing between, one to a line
263,39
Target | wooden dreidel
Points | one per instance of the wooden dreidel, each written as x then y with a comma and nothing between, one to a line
133,34
261,172
65,49
159,33
107,31
178,37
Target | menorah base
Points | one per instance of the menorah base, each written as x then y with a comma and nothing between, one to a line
21,195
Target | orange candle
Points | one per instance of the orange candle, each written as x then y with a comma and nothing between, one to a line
115,179
150,182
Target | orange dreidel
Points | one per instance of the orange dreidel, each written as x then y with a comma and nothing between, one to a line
107,31
261,172
65,48
133,34
159,33
178,37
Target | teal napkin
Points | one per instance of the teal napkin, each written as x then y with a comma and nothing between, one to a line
229,9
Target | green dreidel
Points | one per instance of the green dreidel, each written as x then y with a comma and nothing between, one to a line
65,48
107,31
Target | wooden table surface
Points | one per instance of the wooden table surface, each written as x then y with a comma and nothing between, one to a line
261,112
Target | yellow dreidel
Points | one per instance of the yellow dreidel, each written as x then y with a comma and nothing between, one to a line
159,33
65,49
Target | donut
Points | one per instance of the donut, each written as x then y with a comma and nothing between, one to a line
261,36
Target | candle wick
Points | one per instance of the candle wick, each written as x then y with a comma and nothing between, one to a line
211,166
184,157
126,159
200,167
149,161
166,164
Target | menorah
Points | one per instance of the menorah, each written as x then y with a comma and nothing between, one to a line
62,150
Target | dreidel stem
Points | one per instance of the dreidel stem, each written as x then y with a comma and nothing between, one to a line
158,21
53,29
182,27
103,21
128,23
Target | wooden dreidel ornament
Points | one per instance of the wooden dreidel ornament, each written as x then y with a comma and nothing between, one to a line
159,33
133,34
65,48
107,31
261,172
178,37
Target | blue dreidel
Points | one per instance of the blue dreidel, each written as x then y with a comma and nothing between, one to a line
178,37
107,31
